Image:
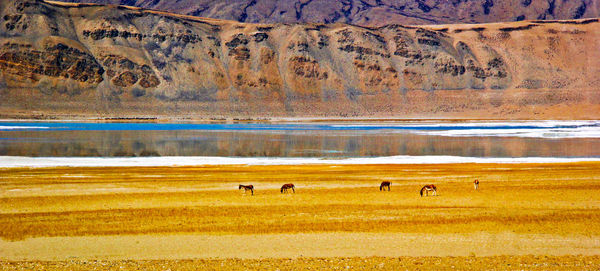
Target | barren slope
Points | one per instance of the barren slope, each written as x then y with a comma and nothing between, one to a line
372,12
95,60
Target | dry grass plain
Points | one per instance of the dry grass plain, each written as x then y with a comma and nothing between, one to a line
128,216
371,263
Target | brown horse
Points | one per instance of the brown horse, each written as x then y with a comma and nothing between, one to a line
427,188
246,188
384,185
287,186
476,184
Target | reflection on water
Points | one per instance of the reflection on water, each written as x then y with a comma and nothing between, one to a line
287,143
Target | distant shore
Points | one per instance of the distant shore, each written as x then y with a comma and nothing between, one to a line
240,119
276,120
165,119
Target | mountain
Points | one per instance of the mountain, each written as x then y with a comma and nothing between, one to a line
372,12
68,60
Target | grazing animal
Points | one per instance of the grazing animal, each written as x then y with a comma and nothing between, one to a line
384,185
427,188
287,186
246,188
476,184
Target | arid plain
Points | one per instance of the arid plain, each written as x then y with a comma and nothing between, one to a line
524,216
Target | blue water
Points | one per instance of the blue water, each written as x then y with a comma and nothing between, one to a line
81,139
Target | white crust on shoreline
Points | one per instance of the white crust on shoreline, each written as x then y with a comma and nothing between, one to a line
20,161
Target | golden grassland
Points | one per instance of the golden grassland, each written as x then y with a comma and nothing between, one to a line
545,198
370,263
546,202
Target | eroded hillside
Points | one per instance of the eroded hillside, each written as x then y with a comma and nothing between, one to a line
62,59
372,12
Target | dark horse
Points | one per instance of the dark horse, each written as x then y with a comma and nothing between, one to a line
247,187
287,186
427,188
384,185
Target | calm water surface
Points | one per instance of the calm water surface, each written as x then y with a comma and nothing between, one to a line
526,139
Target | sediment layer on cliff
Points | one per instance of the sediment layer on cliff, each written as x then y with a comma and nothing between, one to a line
93,59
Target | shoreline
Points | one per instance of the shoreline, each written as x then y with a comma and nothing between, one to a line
178,161
229,119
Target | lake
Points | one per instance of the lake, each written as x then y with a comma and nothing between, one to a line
329,140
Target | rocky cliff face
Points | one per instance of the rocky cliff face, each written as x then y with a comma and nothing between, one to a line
96,60
372,12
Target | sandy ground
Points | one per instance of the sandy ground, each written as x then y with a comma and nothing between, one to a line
177,216
335,244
